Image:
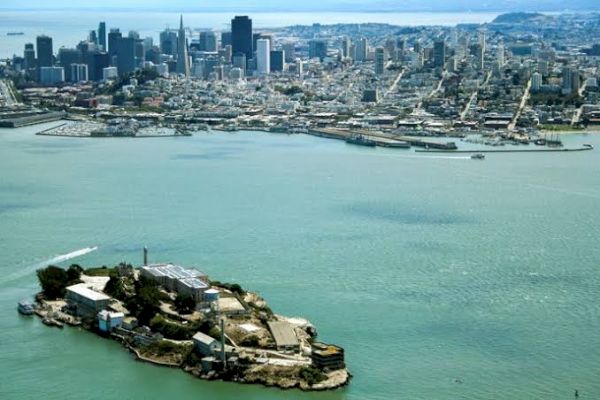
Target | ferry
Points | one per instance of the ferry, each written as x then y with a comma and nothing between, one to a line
361,141
25,307
478,156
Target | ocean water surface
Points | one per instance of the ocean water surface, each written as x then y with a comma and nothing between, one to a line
442,277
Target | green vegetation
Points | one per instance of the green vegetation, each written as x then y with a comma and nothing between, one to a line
233,287
560,128
312,375
101,271
165,347
177,331
185,304
54,280
250,341
516,18
145,303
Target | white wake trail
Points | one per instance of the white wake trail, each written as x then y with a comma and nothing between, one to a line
21,272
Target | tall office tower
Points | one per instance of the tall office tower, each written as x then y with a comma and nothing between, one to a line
346,43
241,36
113,39
168,42
79,72
362,49
125,55
263,54
255,37
183,61
208,41
417,46
100,60
102,36
93,37
44,51
226,53
67,57
277,60
536,82
148,43
225,39
379,61
439,53
239,61
317,48
390,48
29,56
289,50
401,45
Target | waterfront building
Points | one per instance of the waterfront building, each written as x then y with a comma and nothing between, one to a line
327,357
241,36
439,53
85,301
284,336
204,344
109,320
177,279
183,61
126,55
79,73
379,61
317,48
52,75
277,60
102,36
263,55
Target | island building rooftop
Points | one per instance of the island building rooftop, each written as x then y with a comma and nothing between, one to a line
187,281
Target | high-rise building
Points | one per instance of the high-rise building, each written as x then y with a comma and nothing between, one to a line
536,82
100,60
317,48
67,57
93,37
263,56
113,39
277,60
239,61
102,36
439,53
225,39
44,51
126,55
168,42
379,60
183,61
241,36
571,81
346,43
208,41
79,72
362,49
289,50
29,56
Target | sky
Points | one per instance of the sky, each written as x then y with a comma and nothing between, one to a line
310,5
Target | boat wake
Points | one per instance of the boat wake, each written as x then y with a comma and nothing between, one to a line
21,272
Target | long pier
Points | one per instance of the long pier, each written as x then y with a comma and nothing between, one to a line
551,150
381,139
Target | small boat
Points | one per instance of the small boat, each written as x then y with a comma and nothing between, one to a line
52,322
478,156
14,33
589,146
25,307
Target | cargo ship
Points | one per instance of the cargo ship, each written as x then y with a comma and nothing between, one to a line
361,141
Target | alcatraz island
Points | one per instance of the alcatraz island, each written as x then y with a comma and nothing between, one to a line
177,317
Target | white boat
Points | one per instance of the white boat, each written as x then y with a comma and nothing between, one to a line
478,156
25,307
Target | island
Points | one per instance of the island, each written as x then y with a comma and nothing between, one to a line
177,317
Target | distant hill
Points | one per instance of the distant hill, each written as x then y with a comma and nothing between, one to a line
516,18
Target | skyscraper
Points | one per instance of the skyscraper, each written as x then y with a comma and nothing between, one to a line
44,51
277,60
439,53
29,56
346,43
125,55
263,56
183,61
379,61
113,39
239,61
68,57
362,49
317,49
168,42
102,36
241,36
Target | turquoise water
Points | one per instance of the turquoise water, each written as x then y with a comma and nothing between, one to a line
443,278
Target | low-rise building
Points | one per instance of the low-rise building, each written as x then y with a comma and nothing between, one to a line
108,320
284,335
85,301
178,279
327,356
204,344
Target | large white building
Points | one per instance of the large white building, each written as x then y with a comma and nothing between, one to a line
178,279
263,55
